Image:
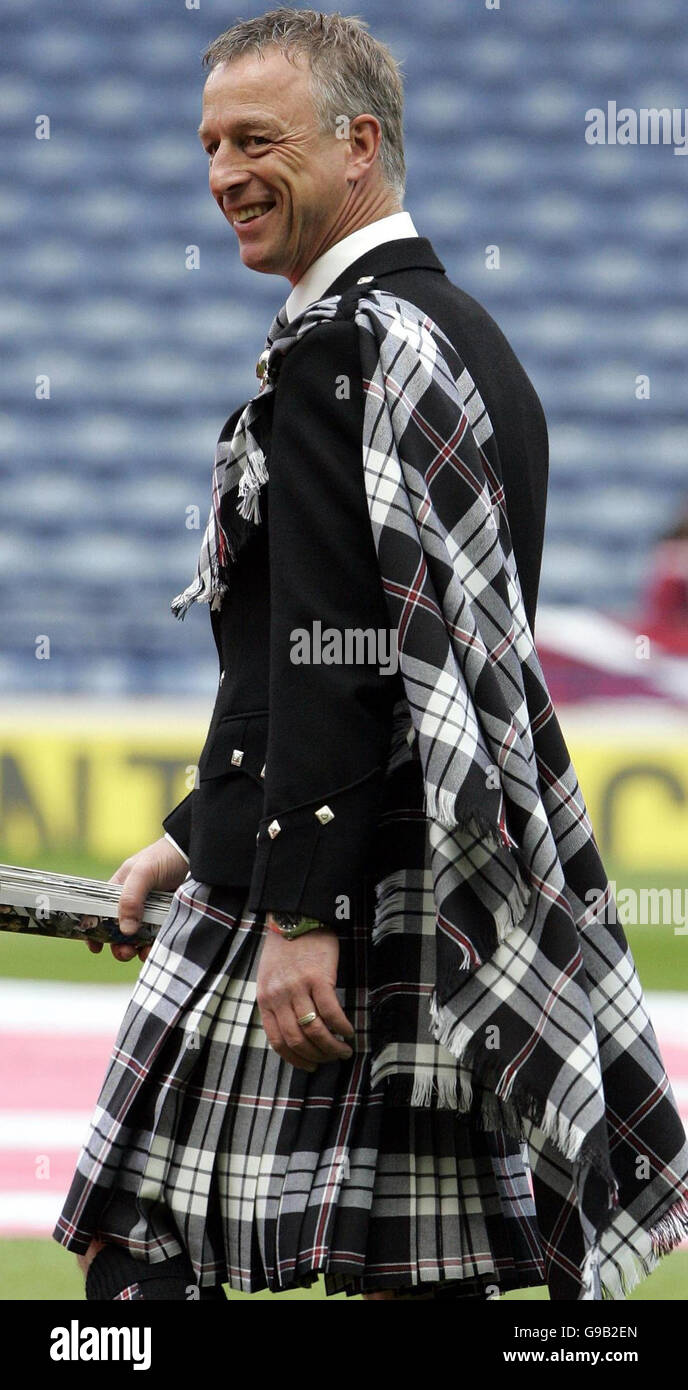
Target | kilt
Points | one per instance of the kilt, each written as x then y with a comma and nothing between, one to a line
203,1140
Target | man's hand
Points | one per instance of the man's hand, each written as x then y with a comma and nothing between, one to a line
296,978
157,866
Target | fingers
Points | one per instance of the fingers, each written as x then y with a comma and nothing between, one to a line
330,1010
137,875
84,1261
298,1039
307,1045
318,1034
123,953
137,886
122,873
295,1038
294,981
84,924
277,1043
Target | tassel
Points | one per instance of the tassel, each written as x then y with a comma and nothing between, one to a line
440,806
565,1136
635,1256
671,1229
589,1275
447,1031
444,1089
640,1253
447,1093
423,1087
182,603
250,483
513,909
391,902
456,1037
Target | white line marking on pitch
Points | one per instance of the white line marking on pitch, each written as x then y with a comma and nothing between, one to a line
46,1006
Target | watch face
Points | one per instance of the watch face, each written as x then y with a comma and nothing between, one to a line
291,924
286,919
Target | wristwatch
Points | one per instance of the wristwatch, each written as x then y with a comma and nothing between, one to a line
291,924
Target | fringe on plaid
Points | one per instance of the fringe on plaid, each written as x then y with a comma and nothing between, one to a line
252,479
617,1274
506,1102
517,945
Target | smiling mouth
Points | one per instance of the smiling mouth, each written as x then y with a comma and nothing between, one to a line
244,216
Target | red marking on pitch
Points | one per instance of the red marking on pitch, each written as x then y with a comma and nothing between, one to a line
61,1072
65,1073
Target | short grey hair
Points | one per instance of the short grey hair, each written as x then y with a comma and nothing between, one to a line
351,72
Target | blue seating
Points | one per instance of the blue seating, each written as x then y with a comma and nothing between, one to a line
105,485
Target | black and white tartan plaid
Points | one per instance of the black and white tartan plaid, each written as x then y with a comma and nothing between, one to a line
203,1140
533,989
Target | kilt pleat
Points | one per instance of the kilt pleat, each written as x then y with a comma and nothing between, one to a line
203,1140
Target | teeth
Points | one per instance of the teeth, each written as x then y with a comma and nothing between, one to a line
244,214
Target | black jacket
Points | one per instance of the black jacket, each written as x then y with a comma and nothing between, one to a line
287,740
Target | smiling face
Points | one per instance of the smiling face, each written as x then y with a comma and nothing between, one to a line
288,189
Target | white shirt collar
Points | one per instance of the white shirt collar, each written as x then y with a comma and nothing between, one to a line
328,267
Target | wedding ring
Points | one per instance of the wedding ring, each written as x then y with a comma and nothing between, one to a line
307,1018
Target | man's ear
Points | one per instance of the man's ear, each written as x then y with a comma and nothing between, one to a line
364,136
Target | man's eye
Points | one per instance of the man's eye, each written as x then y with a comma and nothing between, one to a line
257,140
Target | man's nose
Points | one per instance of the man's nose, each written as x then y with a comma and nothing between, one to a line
226,177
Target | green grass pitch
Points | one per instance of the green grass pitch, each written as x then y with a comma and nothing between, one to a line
40,1269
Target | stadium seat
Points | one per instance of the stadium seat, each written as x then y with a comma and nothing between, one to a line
146,357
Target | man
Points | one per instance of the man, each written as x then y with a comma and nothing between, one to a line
310,790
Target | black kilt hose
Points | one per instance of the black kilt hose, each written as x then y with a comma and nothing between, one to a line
204,1141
